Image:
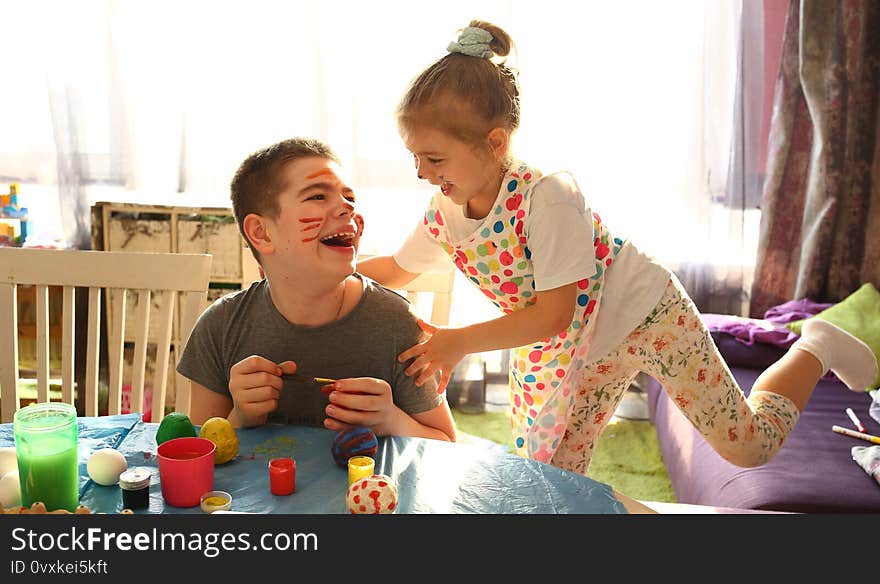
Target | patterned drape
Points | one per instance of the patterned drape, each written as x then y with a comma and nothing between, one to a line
820,224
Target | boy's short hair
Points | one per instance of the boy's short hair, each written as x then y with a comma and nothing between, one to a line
257,182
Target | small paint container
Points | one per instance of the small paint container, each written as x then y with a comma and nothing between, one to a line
135,486
216,501
360,467
282,476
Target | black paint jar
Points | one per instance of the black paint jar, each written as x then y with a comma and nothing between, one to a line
135,485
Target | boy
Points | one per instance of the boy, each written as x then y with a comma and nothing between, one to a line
311,312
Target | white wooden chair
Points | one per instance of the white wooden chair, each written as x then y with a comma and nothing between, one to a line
440,285
168,274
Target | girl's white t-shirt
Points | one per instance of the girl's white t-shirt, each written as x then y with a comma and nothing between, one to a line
558,221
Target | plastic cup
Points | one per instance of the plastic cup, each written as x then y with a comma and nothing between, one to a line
186,470
359,467
282,476
45,446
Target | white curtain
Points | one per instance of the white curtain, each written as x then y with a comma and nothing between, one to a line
160,101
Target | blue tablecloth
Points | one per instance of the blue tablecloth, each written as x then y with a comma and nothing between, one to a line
432,476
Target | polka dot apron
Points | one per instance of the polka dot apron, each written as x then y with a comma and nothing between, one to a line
496,258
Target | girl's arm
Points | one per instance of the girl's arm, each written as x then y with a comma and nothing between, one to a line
548,316
386,271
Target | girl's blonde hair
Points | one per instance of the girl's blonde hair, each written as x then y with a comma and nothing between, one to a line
465,96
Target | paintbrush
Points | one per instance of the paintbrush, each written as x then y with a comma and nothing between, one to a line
301,377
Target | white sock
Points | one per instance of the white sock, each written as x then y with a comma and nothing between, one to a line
848,357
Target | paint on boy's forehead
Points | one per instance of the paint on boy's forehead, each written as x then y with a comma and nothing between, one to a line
322,172
311,223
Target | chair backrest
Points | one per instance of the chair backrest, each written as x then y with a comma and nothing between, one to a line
169,275
440,284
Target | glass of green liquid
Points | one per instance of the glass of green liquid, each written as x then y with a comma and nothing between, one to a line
45,445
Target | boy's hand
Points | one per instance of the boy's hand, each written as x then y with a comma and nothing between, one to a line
439,353
362,401
255,384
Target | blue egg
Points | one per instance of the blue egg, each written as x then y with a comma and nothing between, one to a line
358,441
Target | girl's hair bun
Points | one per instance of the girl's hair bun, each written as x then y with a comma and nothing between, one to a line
481,39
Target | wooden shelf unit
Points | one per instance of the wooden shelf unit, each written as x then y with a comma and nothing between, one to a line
178,229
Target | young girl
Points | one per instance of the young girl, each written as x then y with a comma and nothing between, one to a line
585,310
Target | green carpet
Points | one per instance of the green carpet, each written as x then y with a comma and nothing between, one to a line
627,457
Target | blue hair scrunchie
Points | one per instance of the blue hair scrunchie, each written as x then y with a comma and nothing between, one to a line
473,42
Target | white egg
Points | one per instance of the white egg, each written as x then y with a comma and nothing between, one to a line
8,460
105,466
10,490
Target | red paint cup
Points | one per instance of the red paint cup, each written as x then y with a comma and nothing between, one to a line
282,476
186,470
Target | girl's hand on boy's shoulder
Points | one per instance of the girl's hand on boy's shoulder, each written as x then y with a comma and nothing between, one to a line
439,353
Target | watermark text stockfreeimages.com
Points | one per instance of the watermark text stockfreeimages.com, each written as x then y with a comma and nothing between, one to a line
209,544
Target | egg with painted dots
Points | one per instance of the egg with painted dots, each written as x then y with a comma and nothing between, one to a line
376,494
105,466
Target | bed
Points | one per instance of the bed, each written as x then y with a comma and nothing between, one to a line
813,472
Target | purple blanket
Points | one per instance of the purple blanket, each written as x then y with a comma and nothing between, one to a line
795,310
752,342
771,329
749,331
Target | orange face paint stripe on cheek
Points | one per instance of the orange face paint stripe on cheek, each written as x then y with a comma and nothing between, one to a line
316,224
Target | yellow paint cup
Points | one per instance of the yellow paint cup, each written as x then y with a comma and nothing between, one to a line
360,467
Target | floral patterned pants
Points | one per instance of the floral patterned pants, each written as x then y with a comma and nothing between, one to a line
673,346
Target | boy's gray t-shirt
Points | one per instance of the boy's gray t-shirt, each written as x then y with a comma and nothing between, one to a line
363,343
